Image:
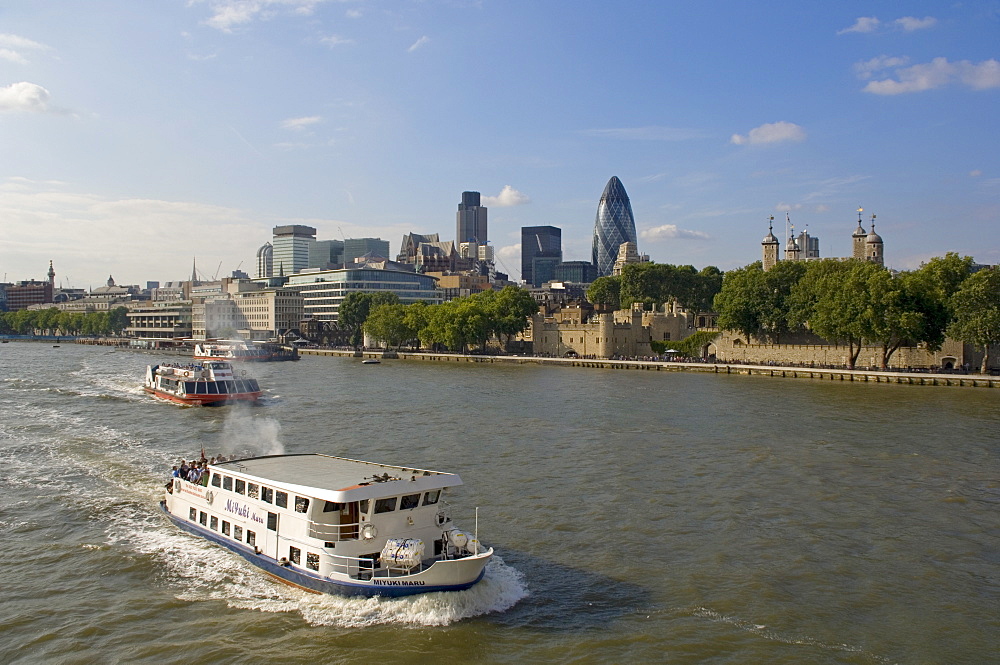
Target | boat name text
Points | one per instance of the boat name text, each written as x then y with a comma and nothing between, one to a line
378,582
242,511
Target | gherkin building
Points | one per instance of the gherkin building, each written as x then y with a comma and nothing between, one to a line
614,225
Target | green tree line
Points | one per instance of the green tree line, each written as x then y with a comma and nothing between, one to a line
655,284
456,325
53,321
857,302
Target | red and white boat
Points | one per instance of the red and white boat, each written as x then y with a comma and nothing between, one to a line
207,383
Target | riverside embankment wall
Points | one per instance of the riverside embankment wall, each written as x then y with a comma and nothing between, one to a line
862,376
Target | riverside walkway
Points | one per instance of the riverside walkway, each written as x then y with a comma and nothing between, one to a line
855,375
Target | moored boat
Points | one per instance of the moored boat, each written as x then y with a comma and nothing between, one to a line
240,351
333,525
206,383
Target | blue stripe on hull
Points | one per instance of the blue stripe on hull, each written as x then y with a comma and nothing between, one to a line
309,582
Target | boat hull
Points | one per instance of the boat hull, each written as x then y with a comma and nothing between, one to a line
455,575
203,400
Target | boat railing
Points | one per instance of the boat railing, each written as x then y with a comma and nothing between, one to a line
334,533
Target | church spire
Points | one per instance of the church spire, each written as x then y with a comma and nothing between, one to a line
194,269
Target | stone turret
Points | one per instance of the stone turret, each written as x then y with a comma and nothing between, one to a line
770,246
873,246
858,239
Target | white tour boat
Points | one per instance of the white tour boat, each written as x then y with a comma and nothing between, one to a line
241,351
333,525
206,383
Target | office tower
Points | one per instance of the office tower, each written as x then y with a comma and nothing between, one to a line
355,248
264,258
290,252
544,242
470,220
326,253
613,226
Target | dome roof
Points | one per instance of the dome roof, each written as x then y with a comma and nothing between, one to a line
873,238
769,239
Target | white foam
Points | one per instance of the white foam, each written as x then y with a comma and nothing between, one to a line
245,432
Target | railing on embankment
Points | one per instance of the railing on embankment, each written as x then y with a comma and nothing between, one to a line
855,375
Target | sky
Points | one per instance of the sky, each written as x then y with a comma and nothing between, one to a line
141,138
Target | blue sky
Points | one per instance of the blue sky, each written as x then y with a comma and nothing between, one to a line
137,136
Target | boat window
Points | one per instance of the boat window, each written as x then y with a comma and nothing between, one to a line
216,480
227,483
252,490
385,505
193,515
203,518
281,499
272,521
363,506
330,506
251,538
430,498
237,533
409,501
213,388
253,385
241,486
214,523
301,504
312,561
189,387
225,527
295,555
200,389
267,495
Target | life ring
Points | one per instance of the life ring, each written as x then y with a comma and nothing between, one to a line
209,496
368,531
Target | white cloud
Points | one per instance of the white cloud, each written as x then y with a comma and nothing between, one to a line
353,13
863,24
773,132
671,231
24,96
652,133
510,252
419,43
975,173
937,74
12,48
909,23
336,40
507,197
788,207
227,14
869,68
299,124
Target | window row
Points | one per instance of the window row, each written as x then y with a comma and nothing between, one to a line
261,492
295,556
212,522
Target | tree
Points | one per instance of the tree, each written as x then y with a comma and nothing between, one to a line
512,307
355,308
416,318
605,291
976,312
387,323
841,303
118,320
756,303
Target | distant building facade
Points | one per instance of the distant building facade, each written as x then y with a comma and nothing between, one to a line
613,226
356,248
581,272
265,260
290,248
540,242
470,220
322,291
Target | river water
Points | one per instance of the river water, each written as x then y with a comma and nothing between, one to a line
651,517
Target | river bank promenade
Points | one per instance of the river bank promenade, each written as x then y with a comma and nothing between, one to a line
827,374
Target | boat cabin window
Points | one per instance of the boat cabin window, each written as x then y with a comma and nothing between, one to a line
193,515
330,506
237,533
241,486
227,483
430,498
225,527
203,518
281,499
267,495
252,490
251,538
385,505
301,504
409,501
216,480
272,521
214,523
312,561
295,555
363,506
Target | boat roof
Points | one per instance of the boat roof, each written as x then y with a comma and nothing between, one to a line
336,479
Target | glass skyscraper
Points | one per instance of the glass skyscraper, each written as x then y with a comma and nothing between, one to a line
470,220
614,225
539,242
290,248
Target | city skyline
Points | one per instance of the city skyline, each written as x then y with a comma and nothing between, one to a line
138,141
